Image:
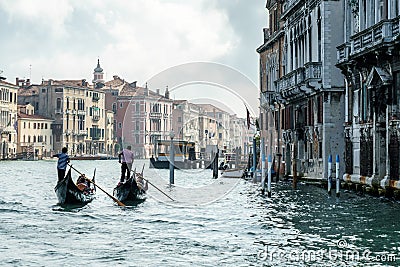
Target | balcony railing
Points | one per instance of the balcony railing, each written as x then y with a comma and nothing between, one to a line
95,98
96,117
82,132
385,31
155,115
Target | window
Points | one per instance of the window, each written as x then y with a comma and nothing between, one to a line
119,125
137,139
114,108
58,104
121,105
137,108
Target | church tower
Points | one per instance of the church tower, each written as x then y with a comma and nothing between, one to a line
98,75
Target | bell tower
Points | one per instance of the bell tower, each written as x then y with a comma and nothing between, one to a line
98,74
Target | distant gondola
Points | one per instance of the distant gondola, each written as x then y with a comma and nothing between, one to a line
130,191
68,193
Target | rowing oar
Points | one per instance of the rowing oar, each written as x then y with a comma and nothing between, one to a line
156,187
116,200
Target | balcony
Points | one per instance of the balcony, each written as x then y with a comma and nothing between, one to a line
384,32
155,115
96,137
81,112
96,117
82,133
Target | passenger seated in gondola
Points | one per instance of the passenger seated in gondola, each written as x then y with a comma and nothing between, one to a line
83,184
141,183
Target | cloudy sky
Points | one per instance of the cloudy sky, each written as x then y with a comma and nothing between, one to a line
135,39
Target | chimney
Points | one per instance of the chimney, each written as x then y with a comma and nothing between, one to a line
158,91
115,77
50,82
83,82
28,82
146,91
166,93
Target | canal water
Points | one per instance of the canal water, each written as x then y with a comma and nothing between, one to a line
303,227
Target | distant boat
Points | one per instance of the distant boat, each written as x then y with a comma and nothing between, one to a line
68,192
185,155
232,173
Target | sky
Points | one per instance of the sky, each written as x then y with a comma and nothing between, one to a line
134,39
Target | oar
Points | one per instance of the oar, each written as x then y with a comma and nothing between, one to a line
94,175
143,169
157,188
116,200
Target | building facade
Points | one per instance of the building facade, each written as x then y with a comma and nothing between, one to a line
8,119
271,70
78,112
310,92
369,59
35,138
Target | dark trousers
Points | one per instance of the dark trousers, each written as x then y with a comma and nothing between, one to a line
61,174
125,169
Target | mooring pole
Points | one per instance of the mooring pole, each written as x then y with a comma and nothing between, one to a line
254,159
262,165
329,174
337,177
171,161
294,185
269,175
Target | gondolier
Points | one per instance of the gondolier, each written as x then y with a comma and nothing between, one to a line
63,160
126,160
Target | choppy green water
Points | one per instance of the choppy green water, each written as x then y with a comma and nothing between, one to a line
293,228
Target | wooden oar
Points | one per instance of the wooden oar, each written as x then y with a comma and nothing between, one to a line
115,199
157,188
94,175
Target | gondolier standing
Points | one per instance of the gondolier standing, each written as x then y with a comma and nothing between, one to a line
126,160
63,160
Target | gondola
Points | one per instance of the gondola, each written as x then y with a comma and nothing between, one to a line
68,192
131,190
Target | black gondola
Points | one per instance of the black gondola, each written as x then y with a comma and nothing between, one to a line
130,191
69,194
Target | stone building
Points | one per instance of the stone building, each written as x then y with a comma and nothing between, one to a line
8,119
35,137
272,69
369,58
306,86
185,121
78,112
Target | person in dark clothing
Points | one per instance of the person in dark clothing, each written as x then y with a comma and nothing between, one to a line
63,160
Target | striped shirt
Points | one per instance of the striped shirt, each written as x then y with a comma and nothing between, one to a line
63,159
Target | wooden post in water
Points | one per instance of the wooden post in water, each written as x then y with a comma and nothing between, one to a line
329,174
254,159
294,185
215,165
262,152
171,160
269,175
337,177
